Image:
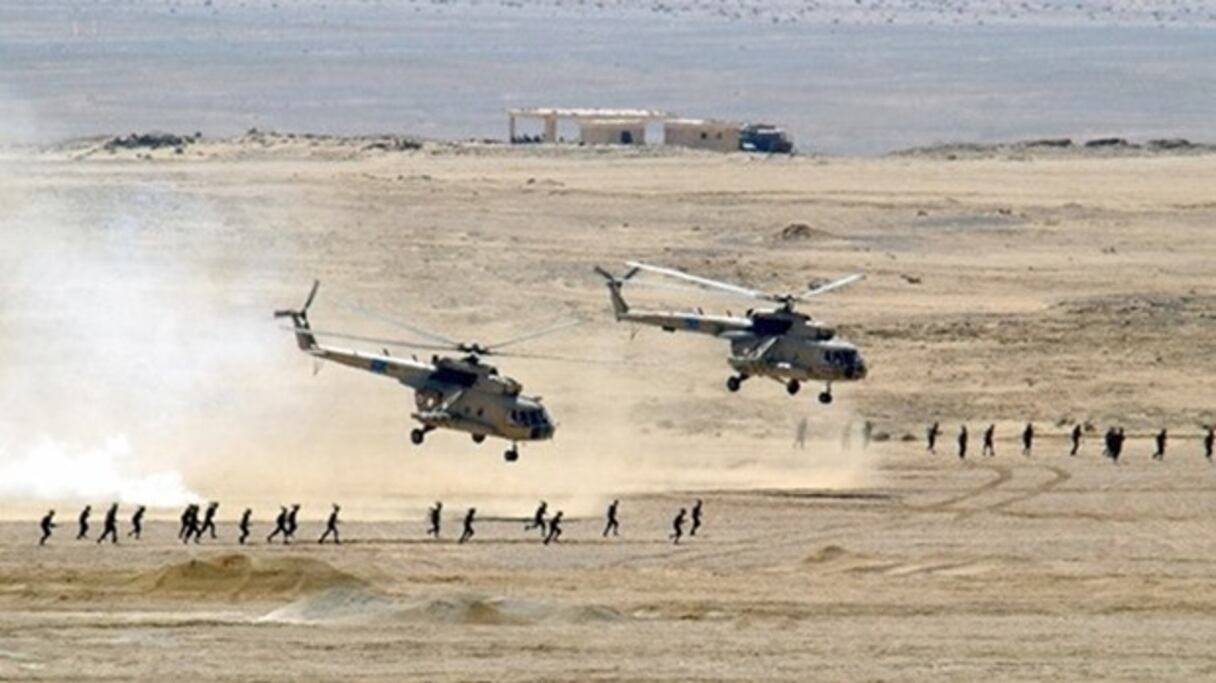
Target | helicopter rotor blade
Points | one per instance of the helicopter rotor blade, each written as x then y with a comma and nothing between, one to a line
704,282
375,340
312,294
833,285
556,327
376,315
560,359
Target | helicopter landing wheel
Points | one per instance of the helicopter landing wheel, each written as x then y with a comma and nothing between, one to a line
793,386
733,383
478,438
511,455
417,436
825,397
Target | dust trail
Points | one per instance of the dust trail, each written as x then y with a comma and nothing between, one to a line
50,470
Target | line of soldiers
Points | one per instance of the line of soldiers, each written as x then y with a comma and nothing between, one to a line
551,527
1113,450
192,528
286,524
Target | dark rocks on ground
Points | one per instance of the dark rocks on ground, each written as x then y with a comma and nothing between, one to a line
1170,143
1049,142
1108,142
152,141
801,231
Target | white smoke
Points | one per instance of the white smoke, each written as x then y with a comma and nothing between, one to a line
52,470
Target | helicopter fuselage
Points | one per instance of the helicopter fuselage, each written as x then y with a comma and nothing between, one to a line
460,394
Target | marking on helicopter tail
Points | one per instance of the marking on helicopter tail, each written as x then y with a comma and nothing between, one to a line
378,366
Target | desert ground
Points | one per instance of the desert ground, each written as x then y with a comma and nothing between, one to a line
1002,285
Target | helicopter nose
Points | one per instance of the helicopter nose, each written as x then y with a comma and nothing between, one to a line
860,370
539,433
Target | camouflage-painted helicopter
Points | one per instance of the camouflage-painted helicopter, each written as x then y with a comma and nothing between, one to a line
457,393
781,344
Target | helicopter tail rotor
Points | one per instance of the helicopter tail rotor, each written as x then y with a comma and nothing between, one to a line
299,319
619,306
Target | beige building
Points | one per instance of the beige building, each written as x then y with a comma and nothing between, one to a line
596,122
720,136
612,131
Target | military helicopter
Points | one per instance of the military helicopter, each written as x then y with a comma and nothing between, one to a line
781,344
457,393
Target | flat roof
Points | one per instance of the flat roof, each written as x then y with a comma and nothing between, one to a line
583,113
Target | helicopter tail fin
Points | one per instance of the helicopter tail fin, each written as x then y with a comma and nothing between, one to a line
299,319
619,306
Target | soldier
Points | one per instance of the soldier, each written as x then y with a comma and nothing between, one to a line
187,526
538,518
47,524
331,526
867,433
1159,454
243,525
989,434
962,443
137,522
931,437
1209,440
1027,439
1076,439
677,526
84,522
1109,451
800,434
292,525
696,518
110,529
435,516
208,520
467,533
1117,443
280,526
612,525
555,528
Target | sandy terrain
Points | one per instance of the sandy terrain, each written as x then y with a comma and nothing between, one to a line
140,360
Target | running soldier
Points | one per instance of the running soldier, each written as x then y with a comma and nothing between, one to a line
435,517
280,526
187,517
208,521
612,525
289,533
1027,439
867,434
243,525
1076,439
800,434
931,437
677,527
696,518
331,526
467,533
538,519
1159,454
47,525
84,522
137,522
110,529
962,443
1209,440
989,434
555,528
